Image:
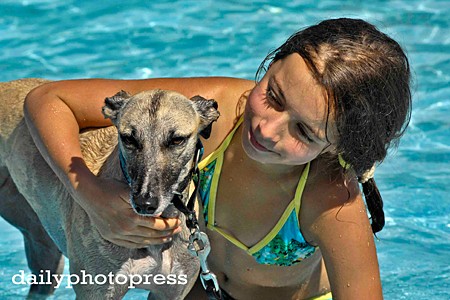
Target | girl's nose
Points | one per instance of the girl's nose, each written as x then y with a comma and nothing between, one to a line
273,127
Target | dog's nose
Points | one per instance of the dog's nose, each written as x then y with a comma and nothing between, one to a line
146,208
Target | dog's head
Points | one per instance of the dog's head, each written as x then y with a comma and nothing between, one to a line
158,132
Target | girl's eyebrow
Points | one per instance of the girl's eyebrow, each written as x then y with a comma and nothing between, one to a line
281,94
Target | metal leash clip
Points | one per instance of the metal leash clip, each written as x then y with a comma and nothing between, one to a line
199,246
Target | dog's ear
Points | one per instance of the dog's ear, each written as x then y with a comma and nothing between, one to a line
114,104
208,112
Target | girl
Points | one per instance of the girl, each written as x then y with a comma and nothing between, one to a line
279,183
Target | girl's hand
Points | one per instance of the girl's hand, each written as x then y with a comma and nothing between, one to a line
106,201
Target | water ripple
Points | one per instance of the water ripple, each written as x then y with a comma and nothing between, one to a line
141,39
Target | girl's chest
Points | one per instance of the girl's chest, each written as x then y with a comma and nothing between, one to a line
248,205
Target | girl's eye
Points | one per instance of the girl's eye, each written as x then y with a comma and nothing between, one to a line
272,99
303,135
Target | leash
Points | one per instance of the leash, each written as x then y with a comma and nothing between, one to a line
199,244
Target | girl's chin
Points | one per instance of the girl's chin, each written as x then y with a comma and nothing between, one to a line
252,152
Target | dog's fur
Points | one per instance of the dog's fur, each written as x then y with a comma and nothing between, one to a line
157,133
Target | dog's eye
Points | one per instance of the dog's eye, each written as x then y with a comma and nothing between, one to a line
129,140
177,140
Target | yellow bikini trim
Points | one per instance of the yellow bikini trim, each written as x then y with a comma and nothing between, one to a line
342,162
229,237
295,203
218,156
216,153
300,187
213,191
265,240
327,296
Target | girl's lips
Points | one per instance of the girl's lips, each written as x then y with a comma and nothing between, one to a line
255,143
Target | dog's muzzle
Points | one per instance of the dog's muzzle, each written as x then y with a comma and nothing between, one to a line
149,206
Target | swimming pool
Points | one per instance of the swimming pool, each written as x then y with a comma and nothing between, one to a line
136,39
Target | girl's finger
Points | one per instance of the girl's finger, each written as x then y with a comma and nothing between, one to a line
133,242
144,232
160,224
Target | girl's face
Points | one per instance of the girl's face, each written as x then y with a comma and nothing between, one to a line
285,116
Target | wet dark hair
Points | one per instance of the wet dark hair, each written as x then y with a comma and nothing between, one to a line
367,78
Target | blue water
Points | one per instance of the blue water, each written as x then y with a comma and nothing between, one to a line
141,39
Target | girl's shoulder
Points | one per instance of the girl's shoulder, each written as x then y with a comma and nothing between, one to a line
331,201
333,216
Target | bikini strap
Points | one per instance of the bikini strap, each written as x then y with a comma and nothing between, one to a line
300,187
223,146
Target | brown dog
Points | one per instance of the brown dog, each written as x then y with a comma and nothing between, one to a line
156,133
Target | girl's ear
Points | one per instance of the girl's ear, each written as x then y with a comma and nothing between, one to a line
207,109
114,104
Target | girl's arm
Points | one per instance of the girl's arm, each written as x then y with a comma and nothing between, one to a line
341,228
57,111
